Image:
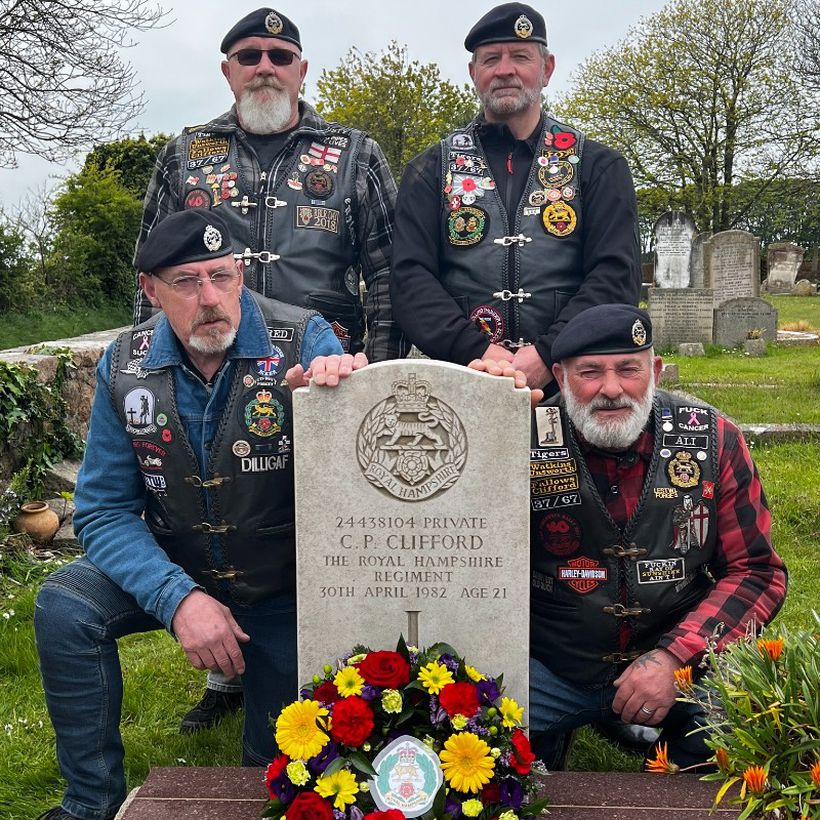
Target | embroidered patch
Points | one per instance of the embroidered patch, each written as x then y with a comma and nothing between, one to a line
319,184
556,174
264,464
559,219
683,471
140,342
583,574
341,333
466,226
660,571
280,334
139,411
269,367
207,149
560,534
549,453
198,198
691,526
689,442
489,321
693,419
666,492
541,581
548,424
538,469
553,502
149,455
550,485
463,140
264,415
155,483
317,218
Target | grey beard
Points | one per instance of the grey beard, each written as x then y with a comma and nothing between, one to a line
616,434
264,113
510,105
214,342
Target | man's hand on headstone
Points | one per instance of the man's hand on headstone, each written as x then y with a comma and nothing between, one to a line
208,633
496,353
327,371
532,365
504,368
646,689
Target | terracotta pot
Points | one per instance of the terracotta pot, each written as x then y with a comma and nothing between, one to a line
38,520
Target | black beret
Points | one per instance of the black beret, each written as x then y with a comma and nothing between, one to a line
508,23
185,236
262,23
604,329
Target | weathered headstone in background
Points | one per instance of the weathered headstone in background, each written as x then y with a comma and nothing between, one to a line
681,315
803,287
398,531
783,262
673,249
696,259
735,319
732,265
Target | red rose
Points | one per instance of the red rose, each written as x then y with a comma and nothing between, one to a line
352,722
459,699
564,139
522,756
491,793
309,806
327,693
388,670
275,768
390,814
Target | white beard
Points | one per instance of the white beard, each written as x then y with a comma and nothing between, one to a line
510,105
264,109
215,342
615,434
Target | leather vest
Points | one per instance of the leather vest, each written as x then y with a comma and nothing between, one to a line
601,596
293,223
512,273
232,528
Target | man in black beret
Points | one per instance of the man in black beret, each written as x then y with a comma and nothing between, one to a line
310,205
184,504
650,538
515,223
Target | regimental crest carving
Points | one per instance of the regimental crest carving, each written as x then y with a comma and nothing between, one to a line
412,444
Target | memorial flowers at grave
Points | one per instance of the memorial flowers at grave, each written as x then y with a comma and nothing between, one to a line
762,699
385,735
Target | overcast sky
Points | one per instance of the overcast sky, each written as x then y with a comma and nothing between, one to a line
178,66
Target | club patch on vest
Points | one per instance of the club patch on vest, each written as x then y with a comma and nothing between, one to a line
149,455
319,184
467,225
317,218
542,581
560,534
139,411
548,424
660,571
583,574
549,453
554,502
280,334
693,419
683,470
269,367
489,321
559,219
341,333
691,526
198,198
207,149
550,485
140,342
555,174
264,415
690,442
538,469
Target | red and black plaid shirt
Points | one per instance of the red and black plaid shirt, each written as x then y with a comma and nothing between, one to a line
750,576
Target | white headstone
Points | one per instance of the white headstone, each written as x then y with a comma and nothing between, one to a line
673,249
412,516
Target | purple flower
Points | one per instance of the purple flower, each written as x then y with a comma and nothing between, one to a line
437,714
511,793
449,661
338,814
370,692
474,726
488,692
356,813
321,761
284,789
452,807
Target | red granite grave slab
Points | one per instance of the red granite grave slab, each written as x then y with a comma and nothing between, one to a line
239,794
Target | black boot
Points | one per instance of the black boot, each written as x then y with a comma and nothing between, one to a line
210,710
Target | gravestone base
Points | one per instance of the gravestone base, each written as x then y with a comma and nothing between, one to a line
756,348
691,349
239,794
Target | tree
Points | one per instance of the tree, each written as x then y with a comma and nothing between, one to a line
404,105
132,158
13,266
807,42
699,97
63,82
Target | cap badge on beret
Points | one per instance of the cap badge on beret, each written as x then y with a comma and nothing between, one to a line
638,333
523,27
212,238
273,23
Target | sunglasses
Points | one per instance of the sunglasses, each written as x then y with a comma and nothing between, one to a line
252,56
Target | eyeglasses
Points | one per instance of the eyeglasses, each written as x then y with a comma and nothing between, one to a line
190,286
252,56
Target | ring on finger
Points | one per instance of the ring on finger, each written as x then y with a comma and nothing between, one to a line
647,711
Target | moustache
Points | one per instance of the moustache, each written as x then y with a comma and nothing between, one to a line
207,316
611,404
263,82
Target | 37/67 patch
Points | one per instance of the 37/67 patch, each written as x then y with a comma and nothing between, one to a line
583,574
660,571
489,321
560,534
207,149
466,226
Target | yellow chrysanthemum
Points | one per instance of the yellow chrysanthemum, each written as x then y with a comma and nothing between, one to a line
299,729
459,722
473,673
434,677
508,815
342,786
466,762
392,701
297,773
356,658
472,807
511,712
349,682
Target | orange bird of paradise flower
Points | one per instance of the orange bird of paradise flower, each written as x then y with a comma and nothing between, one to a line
661,763
722,759
755,778
773,648
683,677
815,774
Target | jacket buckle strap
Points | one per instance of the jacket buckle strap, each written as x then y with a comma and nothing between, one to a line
244,204
506,295
620,551
622,657
273,202
216,481
218,529
248,256
621,611
227,574
519,240
513,346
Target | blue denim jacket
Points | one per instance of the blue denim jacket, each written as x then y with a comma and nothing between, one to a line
110,493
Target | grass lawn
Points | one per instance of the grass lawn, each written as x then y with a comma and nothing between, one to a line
797,312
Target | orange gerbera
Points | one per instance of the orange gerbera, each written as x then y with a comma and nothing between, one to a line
722,759
683,678
661,764
773,648
755,778
815,774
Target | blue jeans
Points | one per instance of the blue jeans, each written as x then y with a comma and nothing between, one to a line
80,614
557,706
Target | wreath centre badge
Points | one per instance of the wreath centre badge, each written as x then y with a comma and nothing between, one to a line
408,775
411,444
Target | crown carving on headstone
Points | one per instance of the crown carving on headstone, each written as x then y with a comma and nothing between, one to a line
411,395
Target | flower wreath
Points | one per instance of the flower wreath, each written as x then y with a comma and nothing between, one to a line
367,740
